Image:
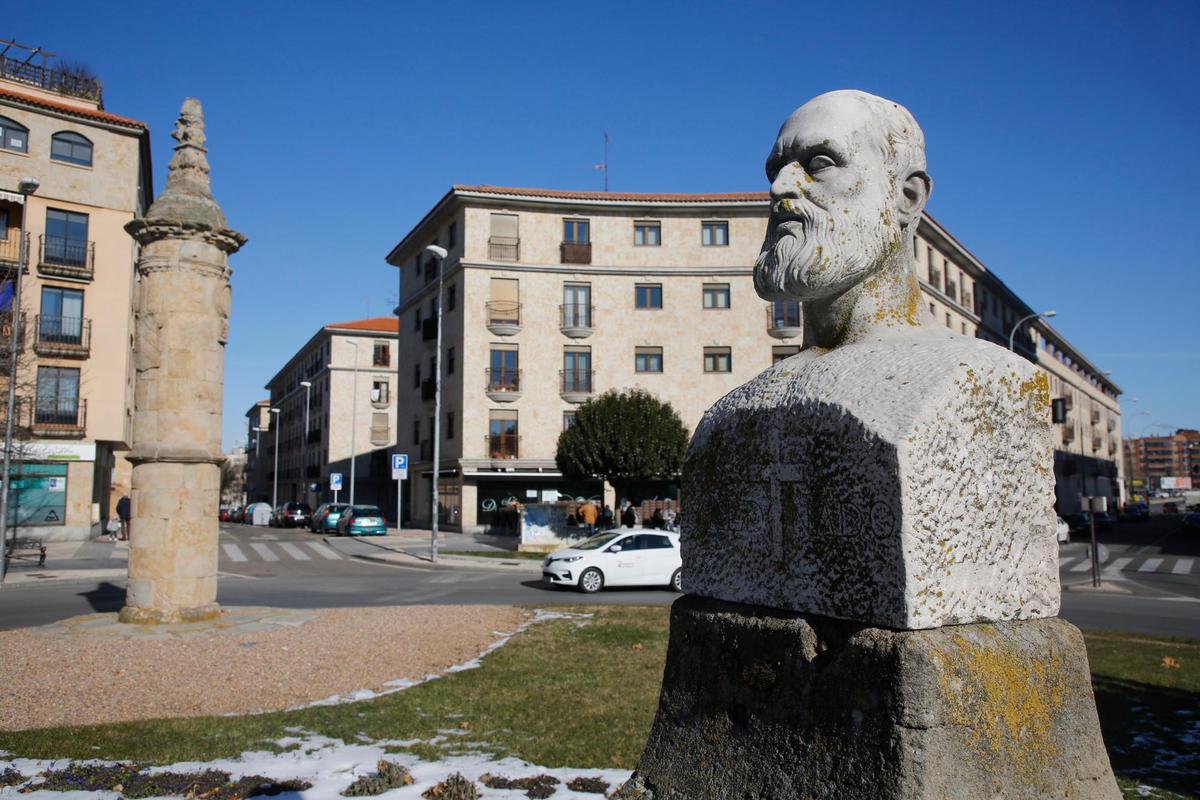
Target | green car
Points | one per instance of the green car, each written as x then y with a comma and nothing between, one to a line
325,518
362,521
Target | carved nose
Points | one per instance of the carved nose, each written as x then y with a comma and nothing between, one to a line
786,183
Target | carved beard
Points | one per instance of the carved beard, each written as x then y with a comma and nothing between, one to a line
807,256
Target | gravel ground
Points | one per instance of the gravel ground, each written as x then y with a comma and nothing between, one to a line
46,681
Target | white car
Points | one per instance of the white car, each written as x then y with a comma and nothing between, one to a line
1063,530
627,557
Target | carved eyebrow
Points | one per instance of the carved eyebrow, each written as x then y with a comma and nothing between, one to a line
796,150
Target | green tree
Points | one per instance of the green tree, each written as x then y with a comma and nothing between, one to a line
623,437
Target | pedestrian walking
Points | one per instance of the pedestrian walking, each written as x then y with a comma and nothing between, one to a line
669,516
606,517
629,515
587,515
123,512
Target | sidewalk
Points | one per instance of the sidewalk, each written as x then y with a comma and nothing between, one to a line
84,562
411,547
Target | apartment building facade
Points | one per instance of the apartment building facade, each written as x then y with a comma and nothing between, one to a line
73,415
551,297
330,410
1151,459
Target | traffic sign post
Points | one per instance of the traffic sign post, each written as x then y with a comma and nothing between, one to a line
335,484
399,473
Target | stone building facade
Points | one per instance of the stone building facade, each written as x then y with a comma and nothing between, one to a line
552,297
1150,459
335,407
75,371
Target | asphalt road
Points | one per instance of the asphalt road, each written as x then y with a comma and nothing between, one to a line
293,569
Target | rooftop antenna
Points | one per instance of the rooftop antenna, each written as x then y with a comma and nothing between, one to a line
603,165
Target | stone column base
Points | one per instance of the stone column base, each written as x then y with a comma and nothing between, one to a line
761,704
136,615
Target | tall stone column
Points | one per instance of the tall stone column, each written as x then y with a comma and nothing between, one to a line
182,324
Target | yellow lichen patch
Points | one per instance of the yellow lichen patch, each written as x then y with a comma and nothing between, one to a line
1005,700
1037,388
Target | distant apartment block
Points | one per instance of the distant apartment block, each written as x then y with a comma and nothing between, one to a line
552,297
75,369
1151,459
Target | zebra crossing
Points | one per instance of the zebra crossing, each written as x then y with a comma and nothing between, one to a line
238,552
1117,567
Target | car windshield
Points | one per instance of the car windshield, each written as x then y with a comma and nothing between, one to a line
596,542
337,508
367,511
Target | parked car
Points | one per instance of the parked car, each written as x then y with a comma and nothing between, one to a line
1134,512
361,521
1078,522
325,518
1062,530
1191,520
1104,520
617,558
1170,508
292,515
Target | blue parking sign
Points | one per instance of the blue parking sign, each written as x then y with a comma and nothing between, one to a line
399,466
335,481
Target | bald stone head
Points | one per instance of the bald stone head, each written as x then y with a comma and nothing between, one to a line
848,185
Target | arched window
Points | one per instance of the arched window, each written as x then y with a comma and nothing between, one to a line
72,148
13,136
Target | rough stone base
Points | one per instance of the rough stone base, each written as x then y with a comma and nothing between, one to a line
759,704
135,615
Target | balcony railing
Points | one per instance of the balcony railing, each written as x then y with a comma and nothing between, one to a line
10,249
59,418
503,445
784,319
504,248
503,317
575,385
66,258
575,319
503,385
54,80
576,252
67,337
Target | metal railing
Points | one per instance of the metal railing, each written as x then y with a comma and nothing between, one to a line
575,315
53,80
576,252
503,445
503,312
575,381
504,248
503,380
59,417
70,258
62,336
10,249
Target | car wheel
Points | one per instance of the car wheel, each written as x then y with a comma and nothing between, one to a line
677,581
591,581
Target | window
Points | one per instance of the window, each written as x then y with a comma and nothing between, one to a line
716,295
963,325
647,295
381,355
449,360
577,305
379,392
647,234
504,240
452,235
66,240
452,297
61,320
784,351
504,303
575,231
416,432
57,396
577,370
449,424
568,419
504,374
503,441
3,224
932,310
714,234
948,325
647,359
717,359
785,314
71,148
13,136
417,375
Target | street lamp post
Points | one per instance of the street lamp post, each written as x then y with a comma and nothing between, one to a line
304,445
26,186
353,421
440,254
275,474
1013,333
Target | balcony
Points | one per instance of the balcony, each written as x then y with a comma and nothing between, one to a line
66,258
1097,442
575,385
503,317
59,419
576,252
783,320
62,337
503,445
575,320
503,385
10,250
427,389
429,331
23,70
504,248
1095,415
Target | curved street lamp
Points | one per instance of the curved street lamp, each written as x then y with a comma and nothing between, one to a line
1013,333
440,254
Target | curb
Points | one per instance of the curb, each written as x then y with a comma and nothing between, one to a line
405,559
64,580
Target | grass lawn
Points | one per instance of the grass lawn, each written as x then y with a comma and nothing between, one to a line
610,667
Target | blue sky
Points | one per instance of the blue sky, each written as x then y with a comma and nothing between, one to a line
1062,137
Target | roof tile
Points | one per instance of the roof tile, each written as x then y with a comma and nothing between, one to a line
86,113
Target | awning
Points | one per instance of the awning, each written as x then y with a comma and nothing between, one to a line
12,197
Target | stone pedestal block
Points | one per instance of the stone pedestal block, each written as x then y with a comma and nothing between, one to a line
762,704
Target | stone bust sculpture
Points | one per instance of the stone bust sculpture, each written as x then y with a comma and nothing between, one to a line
892,472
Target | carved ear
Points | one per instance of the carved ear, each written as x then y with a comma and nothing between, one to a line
914,193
